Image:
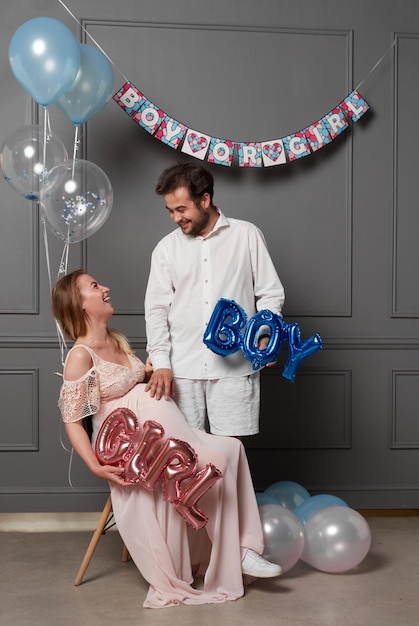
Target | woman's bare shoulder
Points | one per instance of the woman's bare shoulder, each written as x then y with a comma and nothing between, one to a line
79,361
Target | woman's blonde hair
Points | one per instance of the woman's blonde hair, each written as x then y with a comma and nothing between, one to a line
67,308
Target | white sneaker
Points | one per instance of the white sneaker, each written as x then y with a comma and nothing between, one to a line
255,565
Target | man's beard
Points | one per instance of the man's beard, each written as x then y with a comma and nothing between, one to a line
200,225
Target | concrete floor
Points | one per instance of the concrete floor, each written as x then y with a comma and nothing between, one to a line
37,571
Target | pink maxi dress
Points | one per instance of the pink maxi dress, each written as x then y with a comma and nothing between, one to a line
159,540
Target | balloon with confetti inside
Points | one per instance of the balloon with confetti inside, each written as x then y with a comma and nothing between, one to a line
78,200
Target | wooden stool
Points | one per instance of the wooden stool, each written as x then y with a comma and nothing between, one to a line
101,528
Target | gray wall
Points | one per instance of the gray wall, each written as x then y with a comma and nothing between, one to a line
341,225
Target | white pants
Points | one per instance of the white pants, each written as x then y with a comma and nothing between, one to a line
231,405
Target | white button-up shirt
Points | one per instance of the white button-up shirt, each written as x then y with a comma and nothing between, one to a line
188,276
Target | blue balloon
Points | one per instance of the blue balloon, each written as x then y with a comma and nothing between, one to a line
264,498
223,332
288,493
298,350
251,351
44,56
320,501
91,90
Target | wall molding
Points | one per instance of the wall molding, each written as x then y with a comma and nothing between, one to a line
329,343
32,443
396,418
378,497
397,309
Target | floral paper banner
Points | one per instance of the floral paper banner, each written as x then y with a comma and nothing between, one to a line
250,154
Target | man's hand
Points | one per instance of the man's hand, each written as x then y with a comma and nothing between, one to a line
262,344
148,369
161,384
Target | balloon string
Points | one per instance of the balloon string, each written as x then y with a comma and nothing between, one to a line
62,270
64,257
64,260
376,65
76,145
43,222
47,121
94,40
60,427
45,234
62,343
44,152
70,465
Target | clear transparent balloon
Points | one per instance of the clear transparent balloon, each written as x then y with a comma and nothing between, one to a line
27,156
77,200
337,539
283,535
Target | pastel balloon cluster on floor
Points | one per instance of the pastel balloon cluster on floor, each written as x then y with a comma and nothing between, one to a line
321,530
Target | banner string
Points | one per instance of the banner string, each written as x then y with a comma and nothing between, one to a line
376,65
64,258
62,267
380,60
93,39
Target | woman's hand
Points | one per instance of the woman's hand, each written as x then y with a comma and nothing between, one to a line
111,474
81,443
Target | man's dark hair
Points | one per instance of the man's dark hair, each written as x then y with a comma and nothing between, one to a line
193,176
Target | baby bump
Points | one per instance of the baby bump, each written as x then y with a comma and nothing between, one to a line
220,451
165,412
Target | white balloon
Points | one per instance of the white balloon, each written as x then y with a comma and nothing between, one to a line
337,539
283,535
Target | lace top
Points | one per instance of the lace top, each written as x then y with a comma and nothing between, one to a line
104,380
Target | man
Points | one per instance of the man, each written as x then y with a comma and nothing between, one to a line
207,258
